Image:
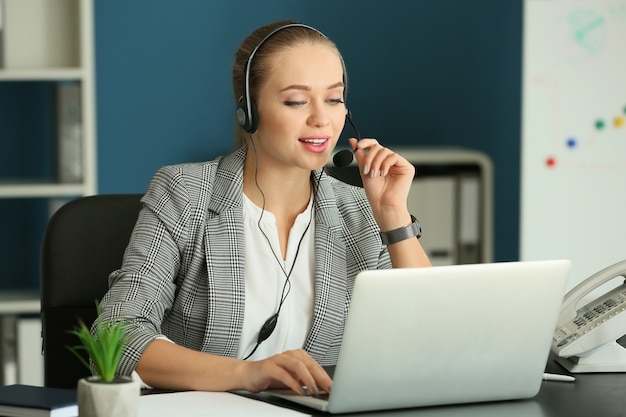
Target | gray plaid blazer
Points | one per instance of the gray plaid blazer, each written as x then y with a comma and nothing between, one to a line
183,271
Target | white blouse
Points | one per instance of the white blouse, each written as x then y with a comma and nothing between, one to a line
265,280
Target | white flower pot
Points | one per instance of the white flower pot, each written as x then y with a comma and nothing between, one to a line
114,399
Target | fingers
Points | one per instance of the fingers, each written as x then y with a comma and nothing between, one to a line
374,159
294,369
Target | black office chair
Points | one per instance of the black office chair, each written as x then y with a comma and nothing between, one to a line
84,242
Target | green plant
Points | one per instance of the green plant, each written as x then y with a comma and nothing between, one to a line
104,346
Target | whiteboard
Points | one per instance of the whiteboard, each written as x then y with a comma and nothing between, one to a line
573,161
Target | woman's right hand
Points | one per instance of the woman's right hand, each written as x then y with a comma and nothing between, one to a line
293,369
166,365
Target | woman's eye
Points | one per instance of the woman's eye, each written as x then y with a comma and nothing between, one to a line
335,101
295,103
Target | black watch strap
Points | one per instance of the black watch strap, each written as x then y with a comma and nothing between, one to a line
402,233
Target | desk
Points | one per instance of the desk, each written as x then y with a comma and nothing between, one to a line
592,395
598,395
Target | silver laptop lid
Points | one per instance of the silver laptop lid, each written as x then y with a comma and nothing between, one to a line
447,335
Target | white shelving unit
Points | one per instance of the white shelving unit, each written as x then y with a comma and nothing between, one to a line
49,42
52,41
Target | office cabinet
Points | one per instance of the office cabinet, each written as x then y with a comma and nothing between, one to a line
452,197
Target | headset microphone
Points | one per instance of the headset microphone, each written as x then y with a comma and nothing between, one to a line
344,157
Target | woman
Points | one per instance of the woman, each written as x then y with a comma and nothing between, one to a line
239,271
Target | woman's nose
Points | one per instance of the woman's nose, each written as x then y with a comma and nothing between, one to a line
319,115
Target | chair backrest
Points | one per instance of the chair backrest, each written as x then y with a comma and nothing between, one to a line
84,242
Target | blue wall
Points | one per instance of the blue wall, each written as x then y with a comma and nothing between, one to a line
421,73
427,73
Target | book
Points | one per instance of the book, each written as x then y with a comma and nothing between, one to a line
32,401
69,131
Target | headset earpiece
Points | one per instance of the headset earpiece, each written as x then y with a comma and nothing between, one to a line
248,120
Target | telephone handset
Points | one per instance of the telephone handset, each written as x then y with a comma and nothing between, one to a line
585,338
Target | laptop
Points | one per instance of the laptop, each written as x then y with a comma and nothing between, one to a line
417,337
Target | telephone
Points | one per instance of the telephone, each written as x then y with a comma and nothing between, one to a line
585,338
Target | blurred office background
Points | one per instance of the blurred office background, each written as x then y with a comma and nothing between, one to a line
421,73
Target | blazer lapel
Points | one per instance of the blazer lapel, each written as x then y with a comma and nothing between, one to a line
224,243
331,292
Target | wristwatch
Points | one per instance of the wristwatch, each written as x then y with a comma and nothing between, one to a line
402,233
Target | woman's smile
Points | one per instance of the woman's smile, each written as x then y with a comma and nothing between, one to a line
315,144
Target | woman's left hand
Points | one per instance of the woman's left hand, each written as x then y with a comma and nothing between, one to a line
387,179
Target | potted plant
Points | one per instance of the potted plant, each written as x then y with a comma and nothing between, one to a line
104,394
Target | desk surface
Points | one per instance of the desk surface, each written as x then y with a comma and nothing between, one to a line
597,395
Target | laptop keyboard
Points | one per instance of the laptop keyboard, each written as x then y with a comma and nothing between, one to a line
321,395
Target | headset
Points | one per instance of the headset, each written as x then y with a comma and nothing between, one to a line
247,113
